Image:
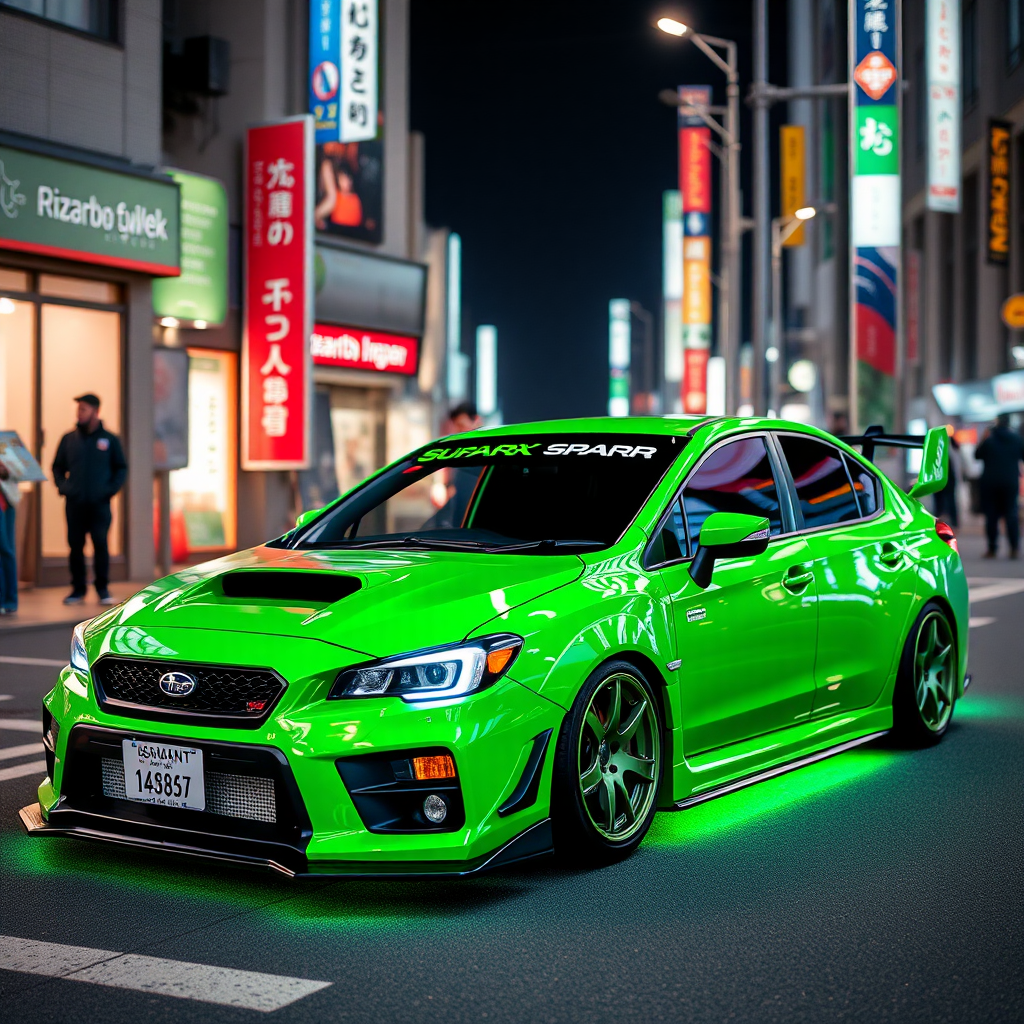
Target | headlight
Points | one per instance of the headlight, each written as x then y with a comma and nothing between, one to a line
434,674
79,659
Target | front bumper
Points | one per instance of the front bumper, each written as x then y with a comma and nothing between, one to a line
317,829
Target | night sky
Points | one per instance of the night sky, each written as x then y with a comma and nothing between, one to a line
548,150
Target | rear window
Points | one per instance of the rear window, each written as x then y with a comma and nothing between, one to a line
534,493
823,487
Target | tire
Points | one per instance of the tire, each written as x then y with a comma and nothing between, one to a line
609,762
925,693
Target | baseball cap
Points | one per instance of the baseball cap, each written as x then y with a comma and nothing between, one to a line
89,398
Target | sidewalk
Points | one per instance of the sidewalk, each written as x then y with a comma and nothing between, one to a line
43,606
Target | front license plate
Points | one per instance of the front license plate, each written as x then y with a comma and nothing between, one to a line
156,773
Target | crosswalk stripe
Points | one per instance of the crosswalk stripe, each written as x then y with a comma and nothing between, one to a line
993,589
8,753
17,659
21,725
980,620
18,771
251,990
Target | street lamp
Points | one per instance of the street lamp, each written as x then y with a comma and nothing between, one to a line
729,317
782,228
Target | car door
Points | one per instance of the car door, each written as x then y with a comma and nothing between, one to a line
865,586
746,643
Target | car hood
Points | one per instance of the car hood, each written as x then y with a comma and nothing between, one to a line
400,600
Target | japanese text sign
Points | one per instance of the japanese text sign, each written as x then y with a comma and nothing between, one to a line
276,365
943,81
343,69
998,248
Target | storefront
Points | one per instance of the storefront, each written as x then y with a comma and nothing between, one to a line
80,242
366,344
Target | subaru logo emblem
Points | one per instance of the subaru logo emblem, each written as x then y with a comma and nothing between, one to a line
177,684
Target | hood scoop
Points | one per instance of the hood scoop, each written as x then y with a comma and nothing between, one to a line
288,585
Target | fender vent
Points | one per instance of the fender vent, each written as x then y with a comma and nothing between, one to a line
284,585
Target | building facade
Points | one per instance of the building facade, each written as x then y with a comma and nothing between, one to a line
161,95
951,290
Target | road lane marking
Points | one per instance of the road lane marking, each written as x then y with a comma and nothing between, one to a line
6,696
7,753
21,725
19,771
979,620
995,588
17,659
251,990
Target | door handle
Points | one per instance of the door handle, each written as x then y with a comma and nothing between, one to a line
892,555
796,578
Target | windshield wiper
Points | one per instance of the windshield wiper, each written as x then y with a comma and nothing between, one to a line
548,542
428,543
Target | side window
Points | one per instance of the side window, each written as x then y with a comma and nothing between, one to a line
670,544
823,487
735,478
866,486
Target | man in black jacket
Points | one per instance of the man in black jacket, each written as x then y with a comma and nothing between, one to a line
1002,451
89,469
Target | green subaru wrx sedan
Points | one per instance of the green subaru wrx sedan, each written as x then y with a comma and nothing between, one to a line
521,640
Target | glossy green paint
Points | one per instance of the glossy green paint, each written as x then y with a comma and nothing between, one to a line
742,670
934,472
723,529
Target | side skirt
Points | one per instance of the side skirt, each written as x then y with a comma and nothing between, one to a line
771,773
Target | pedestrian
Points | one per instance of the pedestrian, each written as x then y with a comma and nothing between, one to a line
9,498
89,469
1002,452
463,418
945,500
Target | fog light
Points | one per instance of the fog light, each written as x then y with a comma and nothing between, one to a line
435,809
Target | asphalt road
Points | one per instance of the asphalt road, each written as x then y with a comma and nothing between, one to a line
880,885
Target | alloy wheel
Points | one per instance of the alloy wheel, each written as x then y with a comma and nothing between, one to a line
618,757
934,672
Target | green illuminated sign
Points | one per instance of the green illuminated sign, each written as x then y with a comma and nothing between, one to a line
80,212
201,292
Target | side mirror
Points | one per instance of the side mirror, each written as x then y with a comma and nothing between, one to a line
727,535
934,472
305,517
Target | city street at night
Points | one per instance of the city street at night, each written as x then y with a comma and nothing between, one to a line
512,513
880,884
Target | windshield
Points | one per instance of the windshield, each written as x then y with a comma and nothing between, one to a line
537,494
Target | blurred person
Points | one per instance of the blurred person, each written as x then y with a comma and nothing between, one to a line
464,417
945,500
840,423
89,469
9,498
1002,452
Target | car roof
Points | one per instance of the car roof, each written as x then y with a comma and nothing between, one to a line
669,426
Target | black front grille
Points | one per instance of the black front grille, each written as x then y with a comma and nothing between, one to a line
236,696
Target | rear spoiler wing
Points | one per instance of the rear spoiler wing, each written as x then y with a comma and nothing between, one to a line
934,471
876,435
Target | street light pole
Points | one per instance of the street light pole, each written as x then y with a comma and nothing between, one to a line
762,209
731,219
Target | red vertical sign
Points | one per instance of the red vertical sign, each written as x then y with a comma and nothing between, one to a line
277,371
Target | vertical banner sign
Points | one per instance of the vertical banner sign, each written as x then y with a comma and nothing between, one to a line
672,284
875,210
792,180
358,70
277,372
619,352
695,188
943,72
343,63
324,68
998,247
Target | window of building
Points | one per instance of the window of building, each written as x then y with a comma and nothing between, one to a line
96,17
969,53
823,488
1014,31
734,478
